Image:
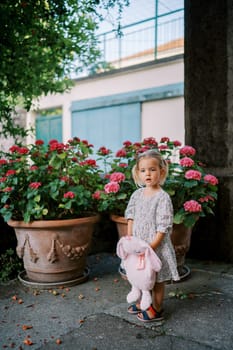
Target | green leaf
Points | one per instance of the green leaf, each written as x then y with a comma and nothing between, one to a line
178,218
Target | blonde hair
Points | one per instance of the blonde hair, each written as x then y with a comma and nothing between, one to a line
149,154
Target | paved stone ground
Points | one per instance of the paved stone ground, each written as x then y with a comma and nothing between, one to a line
93,315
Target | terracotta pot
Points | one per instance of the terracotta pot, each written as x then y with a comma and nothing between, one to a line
54,250
181,239
121,224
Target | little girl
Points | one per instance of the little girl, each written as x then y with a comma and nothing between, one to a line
150,217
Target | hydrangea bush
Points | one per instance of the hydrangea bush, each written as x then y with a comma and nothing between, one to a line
48,182
192,190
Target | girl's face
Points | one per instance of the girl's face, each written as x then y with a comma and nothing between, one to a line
150,172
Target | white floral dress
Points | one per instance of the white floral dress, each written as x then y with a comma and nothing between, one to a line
150,215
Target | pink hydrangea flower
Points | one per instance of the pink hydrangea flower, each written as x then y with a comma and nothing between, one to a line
8,189
35,185
34,167
177,143
3,161
186,162
165,139
96,195
104,151
127,143
123,165
193,175
187,151
150,141
192,206
206,199
10,172
121,153
117,177
69,194
39,142
112,187
211,179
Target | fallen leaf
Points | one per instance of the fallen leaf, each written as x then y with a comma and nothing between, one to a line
81,321
97,289
67,289
58,341
81,296
31,305
27,341
25,327
14,297
20,301
116,280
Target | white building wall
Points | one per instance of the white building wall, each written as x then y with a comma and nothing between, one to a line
159,118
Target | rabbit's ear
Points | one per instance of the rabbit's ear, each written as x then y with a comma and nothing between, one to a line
120,249
154,259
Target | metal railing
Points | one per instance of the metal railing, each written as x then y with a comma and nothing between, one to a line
147,40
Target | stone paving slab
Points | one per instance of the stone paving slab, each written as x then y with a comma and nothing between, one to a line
93,315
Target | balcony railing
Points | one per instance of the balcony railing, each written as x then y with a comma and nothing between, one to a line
147,40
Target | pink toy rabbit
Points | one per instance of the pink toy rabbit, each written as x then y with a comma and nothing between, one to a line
141,264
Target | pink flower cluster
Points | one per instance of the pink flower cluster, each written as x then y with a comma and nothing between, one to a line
20,150
187,151
112,187
186,162
69,194
35,185
192,206
117,177
211,179
193,175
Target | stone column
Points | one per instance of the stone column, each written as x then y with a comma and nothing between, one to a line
209,114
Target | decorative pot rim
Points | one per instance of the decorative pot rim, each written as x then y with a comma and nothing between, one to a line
118,218
54,223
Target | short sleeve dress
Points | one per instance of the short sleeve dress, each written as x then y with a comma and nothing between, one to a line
150,215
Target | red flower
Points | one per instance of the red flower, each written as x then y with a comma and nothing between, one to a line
186,162
3,161
187,151
177,143
165,139
65,178
127,143
96,195
104,151
117,177
90,162
69,194
112,187
35,185
14,148
192,175
3,179
121,153
211,179
23,150
192,206
8,189
10,172
39,142
150,141
34,167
